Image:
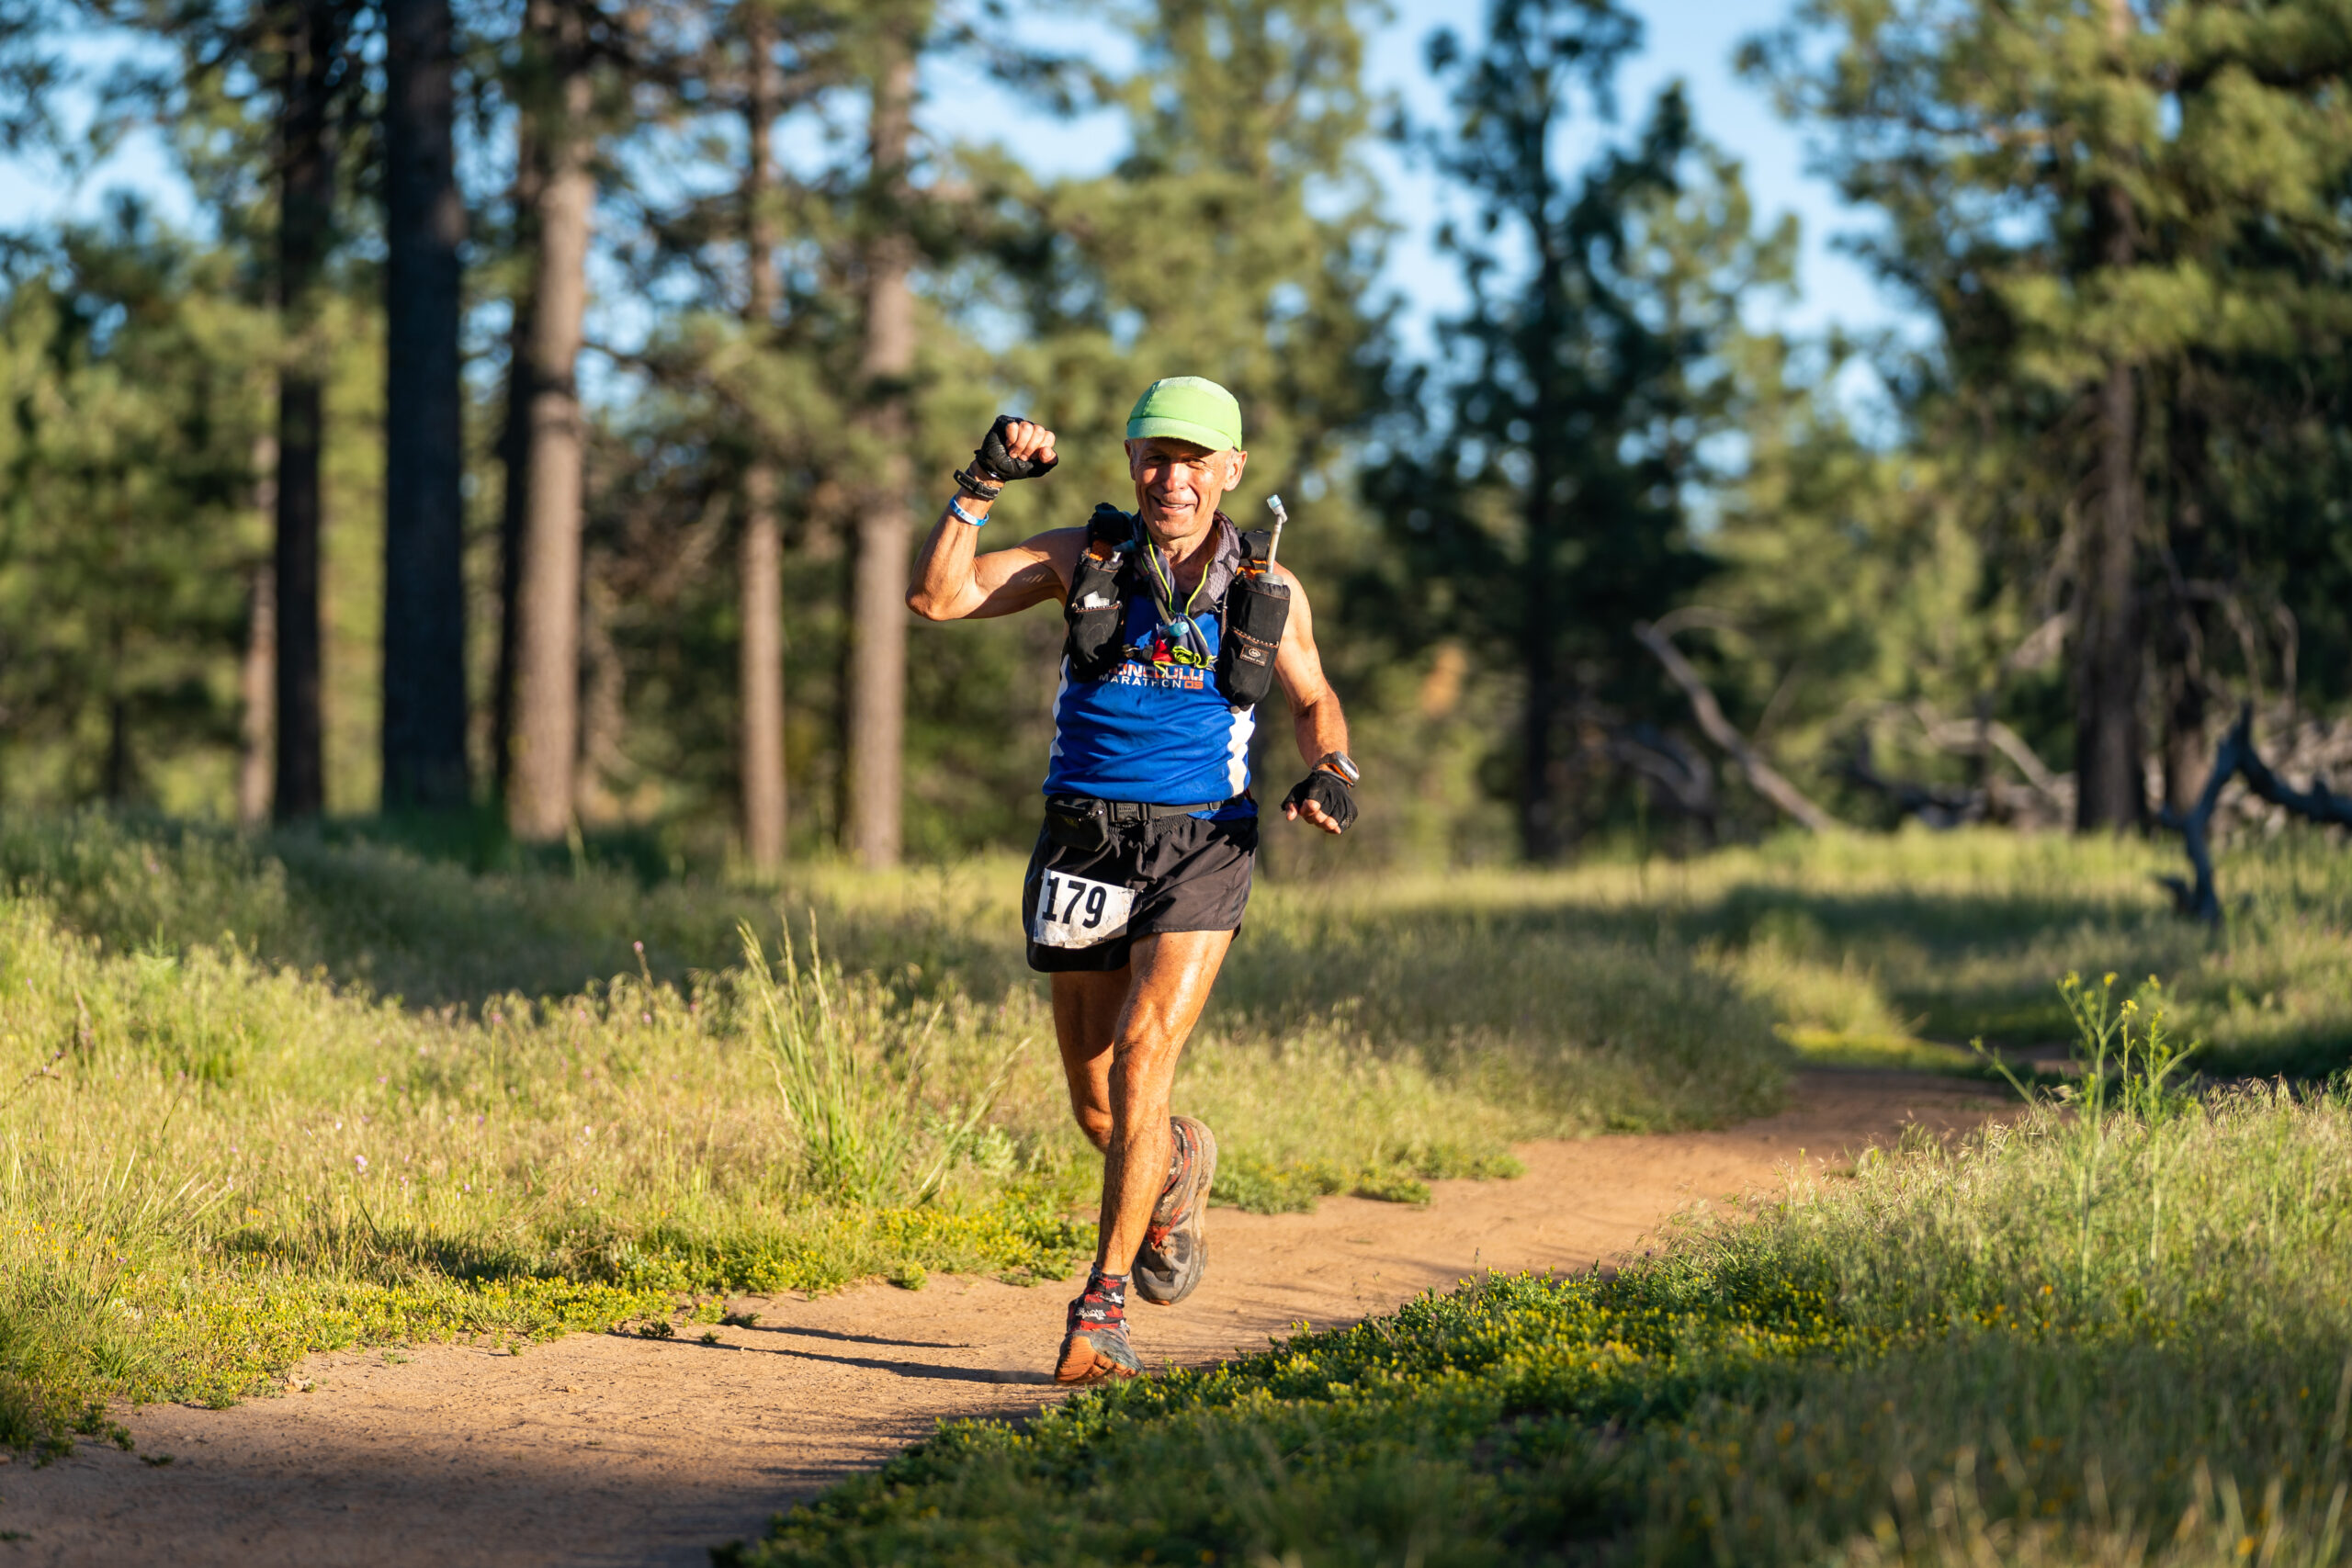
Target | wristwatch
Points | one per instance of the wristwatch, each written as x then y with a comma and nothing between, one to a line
1342,764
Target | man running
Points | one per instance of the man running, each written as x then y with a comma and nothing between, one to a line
1177,621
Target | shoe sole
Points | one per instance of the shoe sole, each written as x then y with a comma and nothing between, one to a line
1196,1203
1082,1363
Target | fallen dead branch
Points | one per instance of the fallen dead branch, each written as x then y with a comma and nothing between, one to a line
2238,757
1764,779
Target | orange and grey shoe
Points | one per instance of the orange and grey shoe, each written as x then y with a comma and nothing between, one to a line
1175,1250
1095,1347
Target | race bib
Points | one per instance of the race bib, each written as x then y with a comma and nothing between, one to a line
1074,912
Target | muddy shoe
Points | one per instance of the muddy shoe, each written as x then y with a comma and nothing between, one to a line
1176,1250
1096,1347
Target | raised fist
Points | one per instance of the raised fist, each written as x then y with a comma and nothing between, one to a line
1014,450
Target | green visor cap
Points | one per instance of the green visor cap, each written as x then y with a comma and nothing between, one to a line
1188,408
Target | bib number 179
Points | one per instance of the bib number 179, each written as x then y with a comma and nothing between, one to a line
1075,912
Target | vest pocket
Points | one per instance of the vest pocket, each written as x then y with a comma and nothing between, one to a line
1095,637
1096,614
1256,610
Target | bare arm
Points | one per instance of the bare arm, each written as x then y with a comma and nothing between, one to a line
953,582
1316,719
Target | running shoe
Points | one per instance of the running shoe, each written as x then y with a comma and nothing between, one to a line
1095,1347
1175,1250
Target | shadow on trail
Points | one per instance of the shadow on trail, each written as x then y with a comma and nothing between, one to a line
836,1334
928,1370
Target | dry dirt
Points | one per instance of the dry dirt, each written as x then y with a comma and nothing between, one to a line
603,1449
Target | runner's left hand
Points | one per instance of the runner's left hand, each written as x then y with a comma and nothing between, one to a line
1324,799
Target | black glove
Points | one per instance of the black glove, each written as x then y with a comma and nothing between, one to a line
1328,791
992,462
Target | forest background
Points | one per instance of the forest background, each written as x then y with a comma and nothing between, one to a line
333,503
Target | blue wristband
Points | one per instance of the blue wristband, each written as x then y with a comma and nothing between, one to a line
956,505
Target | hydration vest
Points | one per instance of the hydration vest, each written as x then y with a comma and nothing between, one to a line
1251,615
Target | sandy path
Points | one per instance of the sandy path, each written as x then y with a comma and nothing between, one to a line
603,1449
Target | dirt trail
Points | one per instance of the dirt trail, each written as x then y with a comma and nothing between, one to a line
603,1449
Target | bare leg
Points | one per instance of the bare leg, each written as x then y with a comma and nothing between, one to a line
1121,1076
1086,1024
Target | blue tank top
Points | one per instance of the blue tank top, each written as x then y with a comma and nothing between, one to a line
1160,733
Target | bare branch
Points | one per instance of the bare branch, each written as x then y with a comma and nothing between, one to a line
1761,775
1674,622
2236,757
1969,736
2041,645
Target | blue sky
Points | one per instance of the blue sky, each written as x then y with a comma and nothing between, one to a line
1691,39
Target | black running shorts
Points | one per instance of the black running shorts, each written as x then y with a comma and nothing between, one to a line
1175,874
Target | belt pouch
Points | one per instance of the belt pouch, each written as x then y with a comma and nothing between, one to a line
1078,822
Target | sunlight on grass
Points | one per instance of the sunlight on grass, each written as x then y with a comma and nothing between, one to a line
1881,1053
2113,1331
225,1147
260,1096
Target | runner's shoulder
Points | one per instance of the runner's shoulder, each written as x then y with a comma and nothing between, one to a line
1281,572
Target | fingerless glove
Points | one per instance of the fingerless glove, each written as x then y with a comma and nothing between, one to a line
995,462
1328,791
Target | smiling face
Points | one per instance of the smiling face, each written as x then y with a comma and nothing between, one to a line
1178,485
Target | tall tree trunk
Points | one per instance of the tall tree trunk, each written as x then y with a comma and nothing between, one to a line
2109,778
119,770
424,592
547,605
255,721
2187,754
877,683
515,458
762,586
306,215
257,666
2181,643
1539,805
1539,826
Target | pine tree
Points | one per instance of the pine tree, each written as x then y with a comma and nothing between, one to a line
137,385
547,600
760,566
425,223
1238,239
311,39
2115,213
875,699
1545,512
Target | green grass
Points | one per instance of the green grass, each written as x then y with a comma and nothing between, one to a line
260,1098
1943,938
2119,1331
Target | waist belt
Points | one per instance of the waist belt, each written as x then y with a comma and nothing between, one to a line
1145,811
1084,823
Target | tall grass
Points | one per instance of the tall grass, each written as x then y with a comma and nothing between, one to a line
261,1096
2116,1331
222,1145
856,1093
